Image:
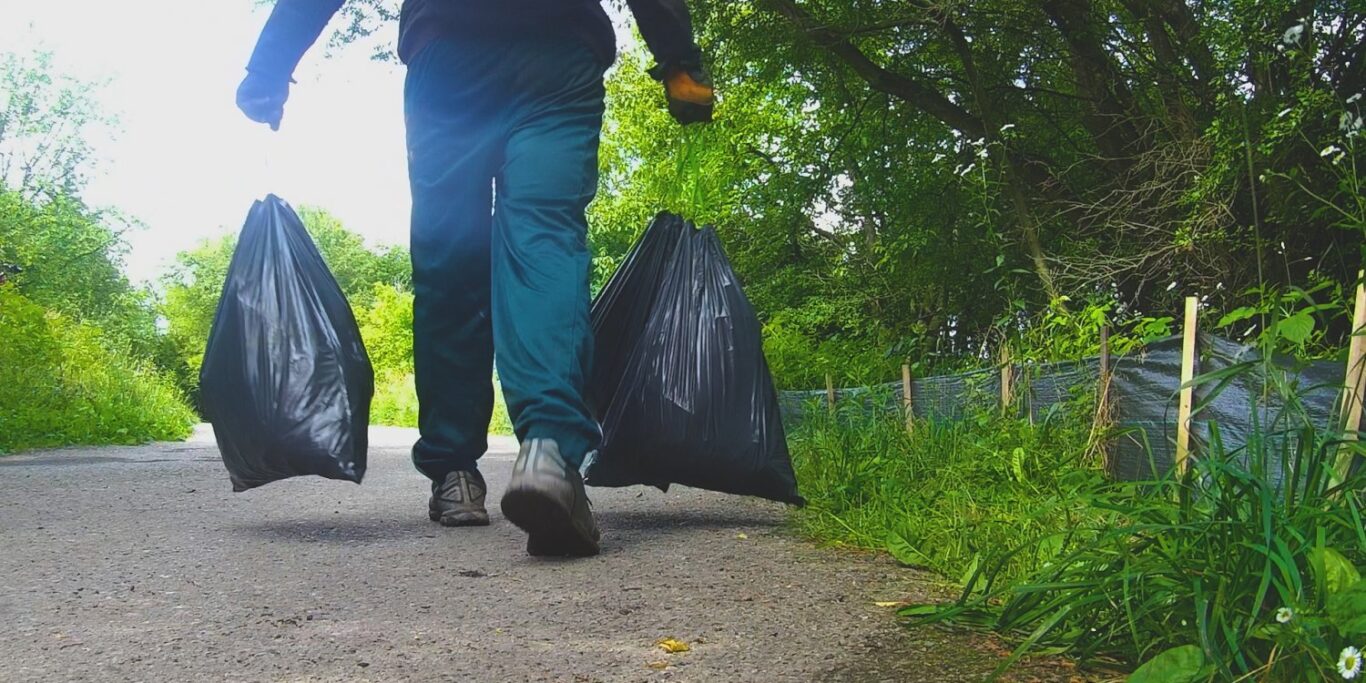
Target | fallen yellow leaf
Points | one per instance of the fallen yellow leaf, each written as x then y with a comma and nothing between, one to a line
672,646
658,666
742,536
887,604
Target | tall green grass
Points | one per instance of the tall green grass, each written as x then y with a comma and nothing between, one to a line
950,496
62,386
1229,571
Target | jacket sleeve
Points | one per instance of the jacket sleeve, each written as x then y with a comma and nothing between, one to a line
667,29
293,27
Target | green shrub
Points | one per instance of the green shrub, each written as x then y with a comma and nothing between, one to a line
395,401
63,386
396,404
799,361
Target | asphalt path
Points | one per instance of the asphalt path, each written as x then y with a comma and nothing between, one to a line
140,564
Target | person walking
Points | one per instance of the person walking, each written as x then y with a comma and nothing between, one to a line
503,104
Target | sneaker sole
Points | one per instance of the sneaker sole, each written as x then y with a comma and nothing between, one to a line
552,526
459,519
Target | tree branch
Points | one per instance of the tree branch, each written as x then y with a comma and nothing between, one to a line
922,96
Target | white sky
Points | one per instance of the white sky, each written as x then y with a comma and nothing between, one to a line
187,163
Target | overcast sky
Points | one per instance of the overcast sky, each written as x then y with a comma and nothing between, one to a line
186,162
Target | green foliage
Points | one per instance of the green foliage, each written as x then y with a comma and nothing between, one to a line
66,387
71,263
926,172
46,123
396,404
191,290
395,401
356,267
1183,664
1207,558
949,494
386,326
81,359
799,361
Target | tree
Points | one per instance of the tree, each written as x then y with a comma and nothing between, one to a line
940,173
355,266
45,123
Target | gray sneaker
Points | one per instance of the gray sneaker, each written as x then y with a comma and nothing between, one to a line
458,501
547,500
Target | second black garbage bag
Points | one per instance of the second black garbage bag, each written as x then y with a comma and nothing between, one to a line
681,386
285,381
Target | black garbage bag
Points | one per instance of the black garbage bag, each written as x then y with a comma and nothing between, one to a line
681,386
286,381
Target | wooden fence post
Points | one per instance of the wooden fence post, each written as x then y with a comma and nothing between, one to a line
1103,388
1007,380
830,391
1104,351
1183,416
1352,393
906,397
1100,422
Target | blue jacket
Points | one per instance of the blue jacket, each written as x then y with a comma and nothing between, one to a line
295,25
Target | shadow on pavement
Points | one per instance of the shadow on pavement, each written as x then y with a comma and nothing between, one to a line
665,520
339,530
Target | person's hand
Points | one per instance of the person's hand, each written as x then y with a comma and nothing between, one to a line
690,94
262,98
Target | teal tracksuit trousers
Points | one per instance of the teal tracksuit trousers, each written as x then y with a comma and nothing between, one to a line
502,136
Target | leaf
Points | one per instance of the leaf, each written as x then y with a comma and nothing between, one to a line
1017,458
673,646
887,604
971,579
1182,664
1347,610
1297,328
659,665
902,551
1338,573
1236,315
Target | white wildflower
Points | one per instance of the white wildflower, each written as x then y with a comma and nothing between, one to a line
1008,126
1284,615
1171,286
1353,98
968,169
1330,149
938,158
1349,662
1285,111
1292,34
982,153
979,142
